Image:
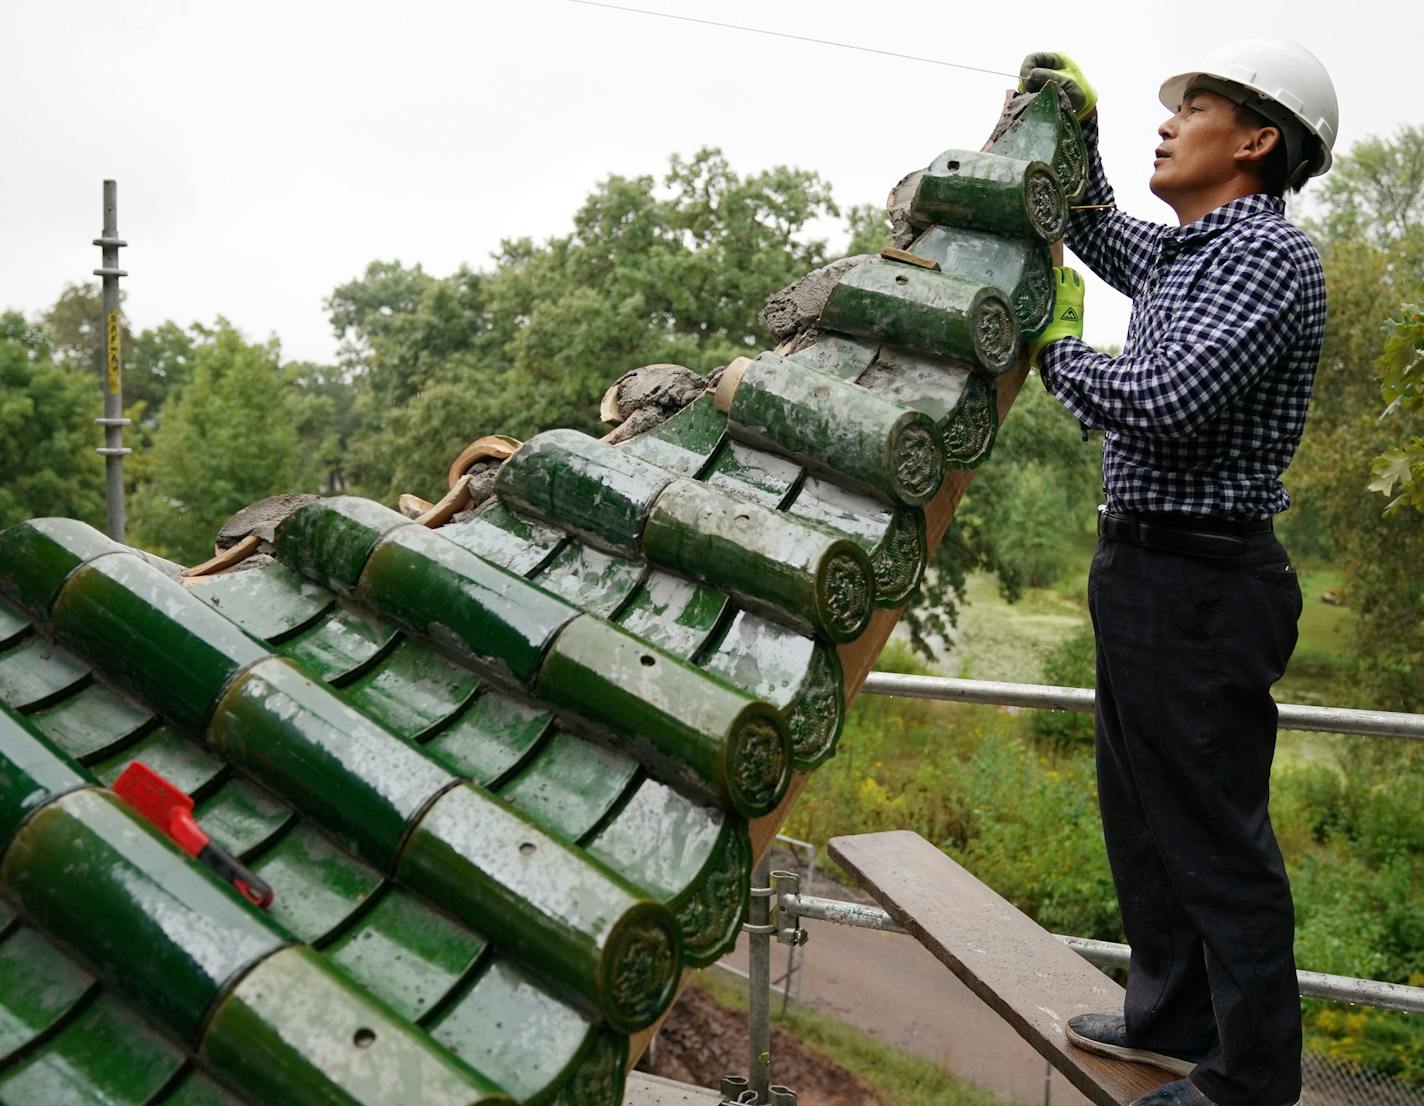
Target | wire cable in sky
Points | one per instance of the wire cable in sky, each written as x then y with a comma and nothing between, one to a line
797,38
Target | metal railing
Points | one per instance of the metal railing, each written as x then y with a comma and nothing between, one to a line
781,889
792,907
1293,716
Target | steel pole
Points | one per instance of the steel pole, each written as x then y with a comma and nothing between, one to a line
112,420
1292,716
759,934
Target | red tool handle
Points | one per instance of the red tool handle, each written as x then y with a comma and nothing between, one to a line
249,885
168,808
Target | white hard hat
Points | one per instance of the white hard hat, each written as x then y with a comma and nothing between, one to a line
1279,71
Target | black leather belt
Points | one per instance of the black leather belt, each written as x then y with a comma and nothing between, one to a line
1194,535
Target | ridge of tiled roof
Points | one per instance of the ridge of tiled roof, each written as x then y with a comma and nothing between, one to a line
502,774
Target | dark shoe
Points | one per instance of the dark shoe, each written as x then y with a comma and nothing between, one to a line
1106,1034
1181,1093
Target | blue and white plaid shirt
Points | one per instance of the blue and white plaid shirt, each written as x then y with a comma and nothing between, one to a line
1206,404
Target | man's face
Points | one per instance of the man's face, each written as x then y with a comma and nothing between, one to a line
1200,147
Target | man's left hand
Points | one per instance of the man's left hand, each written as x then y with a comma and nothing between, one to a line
1067,318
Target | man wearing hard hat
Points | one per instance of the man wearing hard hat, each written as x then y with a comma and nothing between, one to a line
1194,601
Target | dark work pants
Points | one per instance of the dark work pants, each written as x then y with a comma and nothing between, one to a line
1188,648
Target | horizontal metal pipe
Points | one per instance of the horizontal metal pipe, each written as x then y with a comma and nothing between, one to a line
1293,716
1337,988
842,913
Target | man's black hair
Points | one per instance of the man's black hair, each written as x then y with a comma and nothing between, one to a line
1276,169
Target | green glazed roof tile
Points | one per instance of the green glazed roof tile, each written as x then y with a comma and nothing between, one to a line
241,817
799,675
184,763
38,986
683,443
151,637
672,613
753,474
682,706
325,1041
839,356
36,672
597,582
411,690
338,648
490,738
270,602
317,885
570,784
859,517
92,722
407,953
106,1055
661,840
13,625
196,1089
538,1042
500,536
927,384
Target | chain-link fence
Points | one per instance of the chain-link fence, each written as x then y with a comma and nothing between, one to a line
1338,1083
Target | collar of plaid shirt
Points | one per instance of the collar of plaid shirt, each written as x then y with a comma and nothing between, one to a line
1227,215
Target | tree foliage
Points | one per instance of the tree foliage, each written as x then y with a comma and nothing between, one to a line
234,434
1372,245
1376,193
671,270
1399,470
47,432
1021,516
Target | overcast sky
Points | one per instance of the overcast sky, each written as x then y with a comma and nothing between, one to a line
266,152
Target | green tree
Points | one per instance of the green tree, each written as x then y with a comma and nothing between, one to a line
76,330
1372,246
157,364
233,435
47,435
1402,369
653,270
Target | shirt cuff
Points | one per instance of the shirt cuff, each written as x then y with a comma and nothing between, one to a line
1058,356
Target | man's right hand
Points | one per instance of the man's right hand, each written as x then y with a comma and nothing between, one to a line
1037,69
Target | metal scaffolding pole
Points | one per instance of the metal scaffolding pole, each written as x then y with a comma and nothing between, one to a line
760,931
1293,716
113,421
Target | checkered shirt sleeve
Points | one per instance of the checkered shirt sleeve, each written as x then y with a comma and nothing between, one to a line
1119,248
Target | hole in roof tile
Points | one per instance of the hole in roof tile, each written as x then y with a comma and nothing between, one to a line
902,279
528,848
648,660
363,1037
952,166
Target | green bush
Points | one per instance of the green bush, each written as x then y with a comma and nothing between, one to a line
1073,663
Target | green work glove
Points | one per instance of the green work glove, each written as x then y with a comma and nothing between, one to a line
1037,69
1067,318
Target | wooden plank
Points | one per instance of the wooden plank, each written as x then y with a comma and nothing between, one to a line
1021,971
653,1090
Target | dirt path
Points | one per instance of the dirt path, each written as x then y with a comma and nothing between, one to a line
888,986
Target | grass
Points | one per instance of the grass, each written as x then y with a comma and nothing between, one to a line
896,1077
997,640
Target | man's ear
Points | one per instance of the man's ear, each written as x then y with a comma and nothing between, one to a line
1258,144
